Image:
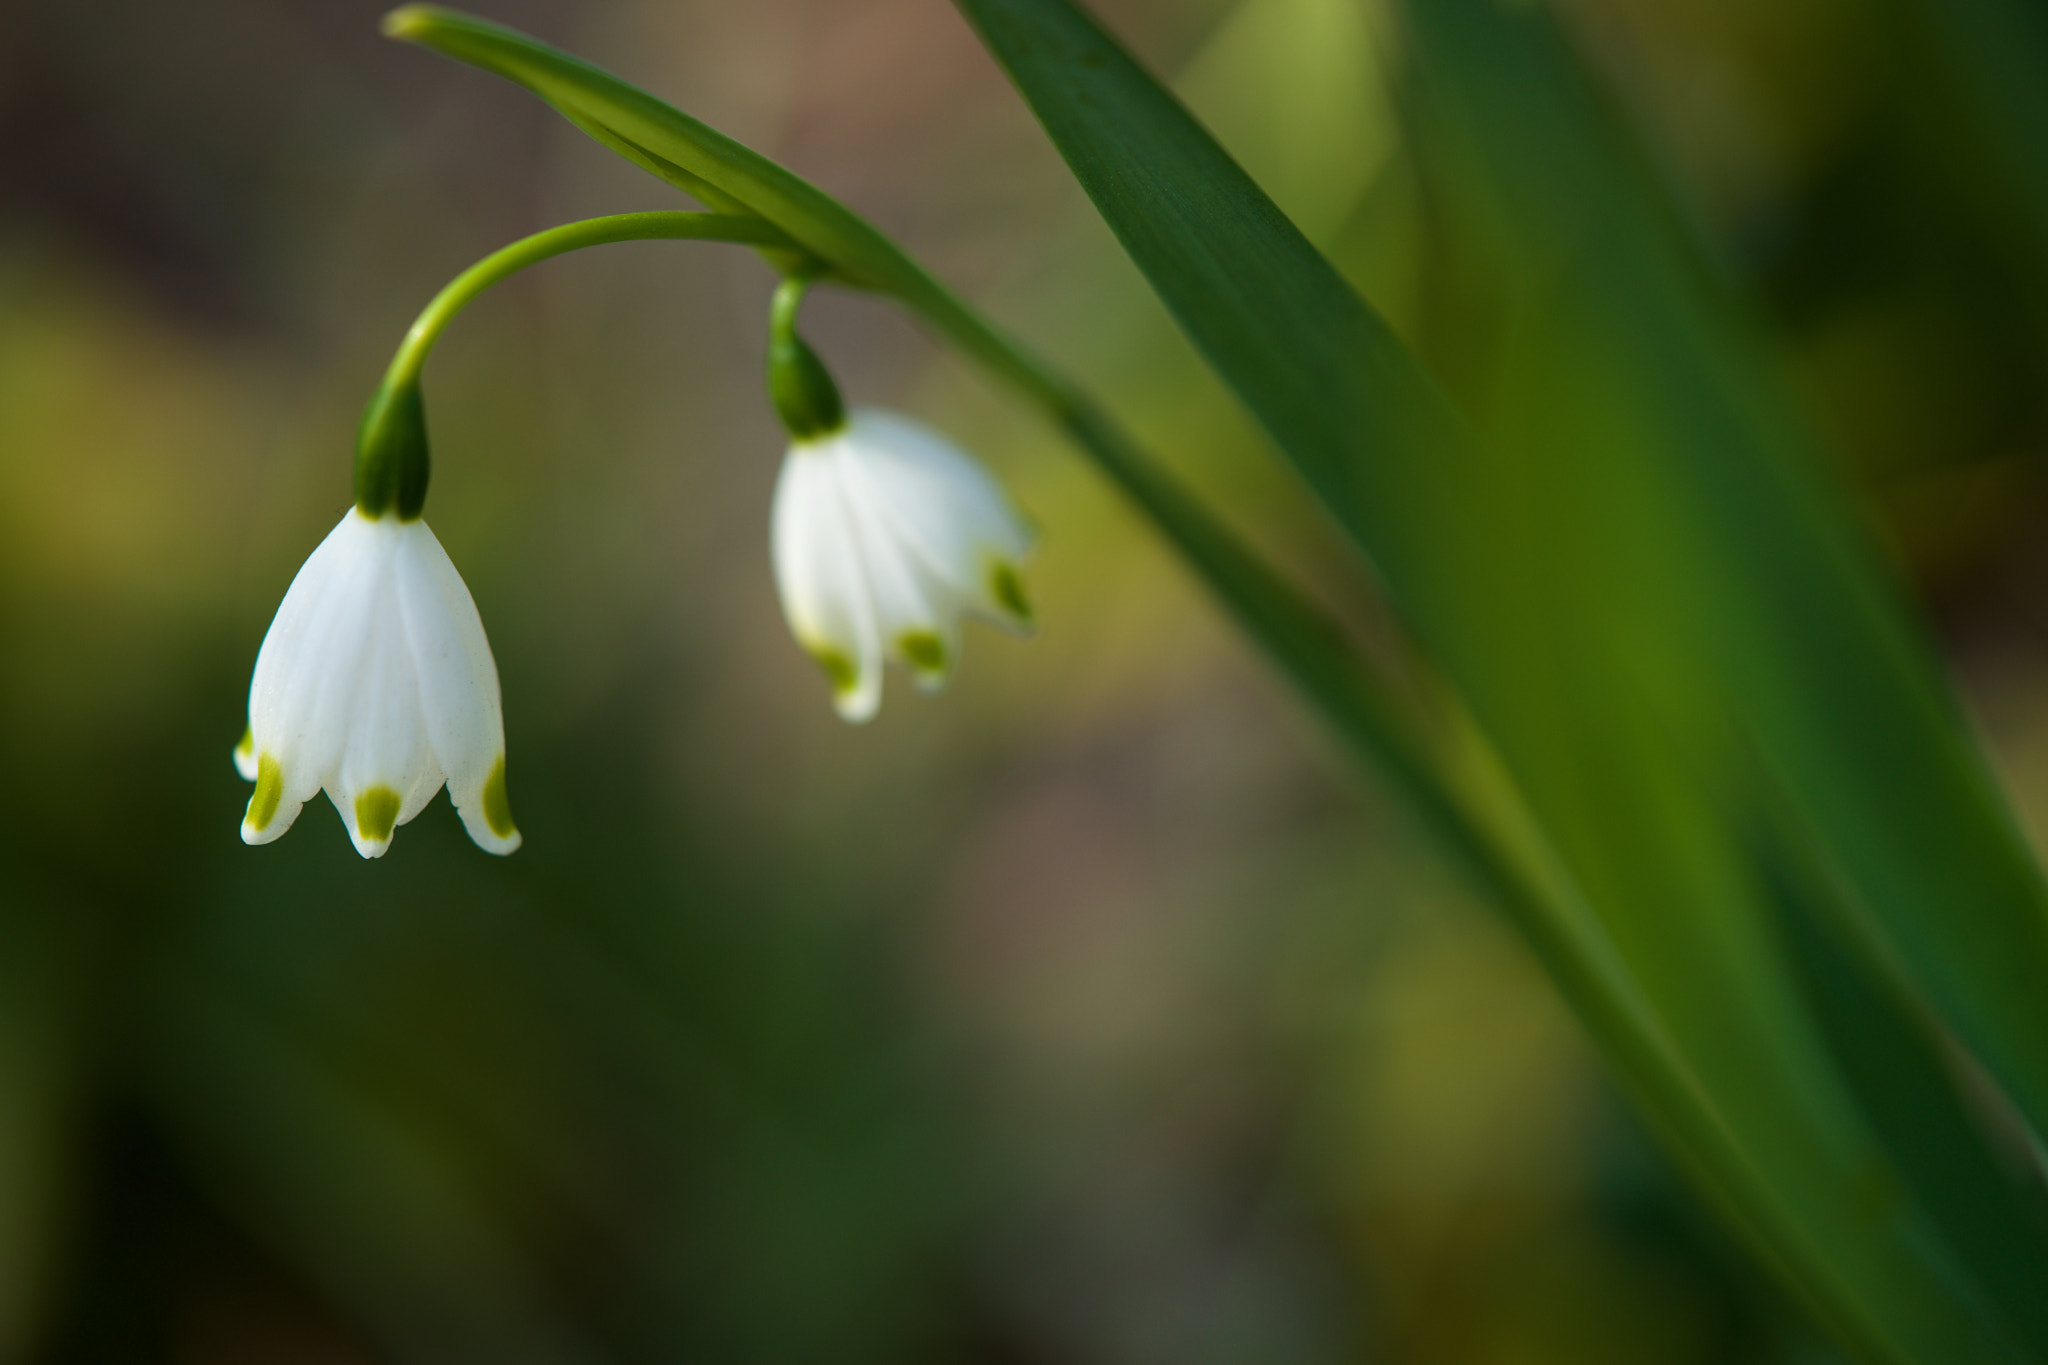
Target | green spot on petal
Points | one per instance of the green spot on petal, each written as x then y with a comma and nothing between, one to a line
498,806
922,650
837,666
269,791
247,745
376,813
1008,590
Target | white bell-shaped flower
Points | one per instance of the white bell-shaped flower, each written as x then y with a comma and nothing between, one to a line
376,683
884,534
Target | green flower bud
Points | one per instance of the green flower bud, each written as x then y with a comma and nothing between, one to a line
391,452
801,388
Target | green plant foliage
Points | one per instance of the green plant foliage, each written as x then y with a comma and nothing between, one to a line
1620,404
1090,1014
1368,709
1626,560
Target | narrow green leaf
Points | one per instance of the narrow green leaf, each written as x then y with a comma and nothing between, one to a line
1991,54
697,159
1992,1209
1612,621
732,179
1715,563
1317,367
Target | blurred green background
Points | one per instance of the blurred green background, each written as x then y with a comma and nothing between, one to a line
1092,1012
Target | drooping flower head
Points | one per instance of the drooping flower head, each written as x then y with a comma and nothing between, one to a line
884,535
376,683
375,680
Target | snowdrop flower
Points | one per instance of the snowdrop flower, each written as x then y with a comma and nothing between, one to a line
376,683
884,534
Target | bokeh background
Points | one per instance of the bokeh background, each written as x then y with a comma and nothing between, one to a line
1093,1012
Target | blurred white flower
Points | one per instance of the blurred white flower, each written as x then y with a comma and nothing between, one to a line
376,683
884,534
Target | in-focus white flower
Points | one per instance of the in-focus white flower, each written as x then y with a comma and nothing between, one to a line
376,683
884,534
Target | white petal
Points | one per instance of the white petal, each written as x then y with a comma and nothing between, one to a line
916,610
307,673
820,576
331,671
458,687
269,814
387,771
941,501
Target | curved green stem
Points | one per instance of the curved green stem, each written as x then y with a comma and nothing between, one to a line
619,227
392,462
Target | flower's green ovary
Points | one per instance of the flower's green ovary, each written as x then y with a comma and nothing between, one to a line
391,452
800,386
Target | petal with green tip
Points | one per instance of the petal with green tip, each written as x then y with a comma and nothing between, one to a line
376,684
884,536
823,580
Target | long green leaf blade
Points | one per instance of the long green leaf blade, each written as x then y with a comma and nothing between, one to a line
1720,572
1384,451
1893,1063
